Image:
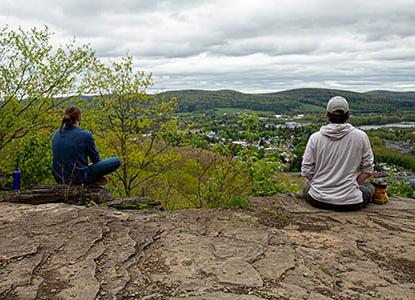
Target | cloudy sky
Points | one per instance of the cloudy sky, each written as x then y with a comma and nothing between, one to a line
251,46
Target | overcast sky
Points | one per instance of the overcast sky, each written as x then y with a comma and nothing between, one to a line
250,46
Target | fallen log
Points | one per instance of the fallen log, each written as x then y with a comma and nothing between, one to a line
71,194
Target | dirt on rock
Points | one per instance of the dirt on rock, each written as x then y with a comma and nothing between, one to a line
280,249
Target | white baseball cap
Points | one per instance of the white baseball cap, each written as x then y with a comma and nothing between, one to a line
337,103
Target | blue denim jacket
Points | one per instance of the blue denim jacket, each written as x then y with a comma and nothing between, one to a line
71,150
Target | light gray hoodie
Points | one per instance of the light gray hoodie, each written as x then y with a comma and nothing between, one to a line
333,159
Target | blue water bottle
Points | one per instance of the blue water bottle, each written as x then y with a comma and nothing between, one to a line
16,179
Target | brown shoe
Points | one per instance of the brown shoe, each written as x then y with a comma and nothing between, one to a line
101,181
380,196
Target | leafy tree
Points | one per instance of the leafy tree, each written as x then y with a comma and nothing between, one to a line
261,172
33,75
131,124
250,123
201,178
34,155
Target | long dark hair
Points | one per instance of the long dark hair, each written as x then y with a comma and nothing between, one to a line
72,115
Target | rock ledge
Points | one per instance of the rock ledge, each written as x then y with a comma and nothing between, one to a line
283,249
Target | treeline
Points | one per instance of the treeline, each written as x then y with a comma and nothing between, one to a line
292,101
371,119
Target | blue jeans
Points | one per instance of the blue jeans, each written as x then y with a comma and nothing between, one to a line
102,168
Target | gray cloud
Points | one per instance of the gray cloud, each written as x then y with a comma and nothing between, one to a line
246,45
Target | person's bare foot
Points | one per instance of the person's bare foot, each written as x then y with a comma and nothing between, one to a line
101,181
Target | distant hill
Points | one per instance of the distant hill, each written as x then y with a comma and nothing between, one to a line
292,101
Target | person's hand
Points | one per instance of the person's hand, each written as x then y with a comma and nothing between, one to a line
362,177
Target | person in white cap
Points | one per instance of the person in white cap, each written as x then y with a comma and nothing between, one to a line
337,161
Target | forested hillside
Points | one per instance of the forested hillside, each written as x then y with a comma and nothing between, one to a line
292,101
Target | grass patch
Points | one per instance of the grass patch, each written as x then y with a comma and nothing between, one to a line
276,218
231,202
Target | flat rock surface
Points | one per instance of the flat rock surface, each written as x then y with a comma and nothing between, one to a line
280,249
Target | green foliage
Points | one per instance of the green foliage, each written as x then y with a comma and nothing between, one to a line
34,158
399,187
249,123
225,186
394,157
201,178
261,172
33,155
32,76
129,123
231,202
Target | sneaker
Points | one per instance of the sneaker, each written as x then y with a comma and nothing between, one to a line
380,196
